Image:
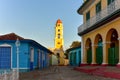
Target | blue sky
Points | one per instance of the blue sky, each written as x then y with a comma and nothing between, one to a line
35,19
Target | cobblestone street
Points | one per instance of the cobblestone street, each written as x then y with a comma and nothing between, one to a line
59,73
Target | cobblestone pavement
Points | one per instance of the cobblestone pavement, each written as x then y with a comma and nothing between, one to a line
59,73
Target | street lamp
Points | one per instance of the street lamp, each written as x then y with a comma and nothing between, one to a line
17,43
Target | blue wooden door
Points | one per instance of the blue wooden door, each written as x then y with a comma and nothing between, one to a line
32,59
5,57
41,60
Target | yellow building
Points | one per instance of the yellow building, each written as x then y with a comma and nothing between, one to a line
59,42
100,32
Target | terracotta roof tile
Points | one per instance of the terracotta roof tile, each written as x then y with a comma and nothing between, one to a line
11,36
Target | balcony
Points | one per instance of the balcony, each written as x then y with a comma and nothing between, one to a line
109,10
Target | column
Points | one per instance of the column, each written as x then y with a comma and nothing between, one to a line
83,53
82,50
119,54
93,55
105,53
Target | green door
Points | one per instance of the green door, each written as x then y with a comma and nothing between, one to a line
113,56
99,55
116,55
89,56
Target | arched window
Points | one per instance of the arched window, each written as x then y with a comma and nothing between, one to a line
58,30
58,36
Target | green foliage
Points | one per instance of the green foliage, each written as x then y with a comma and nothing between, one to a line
75,44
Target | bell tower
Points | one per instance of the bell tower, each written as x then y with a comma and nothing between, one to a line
59,41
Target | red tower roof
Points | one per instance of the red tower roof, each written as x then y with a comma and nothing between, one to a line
59,21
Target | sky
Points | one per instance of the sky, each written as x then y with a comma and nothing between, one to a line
36,19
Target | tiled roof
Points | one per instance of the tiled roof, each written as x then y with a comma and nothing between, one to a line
84,6
11,36
59,21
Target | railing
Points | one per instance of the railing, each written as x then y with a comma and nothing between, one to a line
99,16
8,75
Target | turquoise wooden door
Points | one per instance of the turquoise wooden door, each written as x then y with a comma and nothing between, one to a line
79,57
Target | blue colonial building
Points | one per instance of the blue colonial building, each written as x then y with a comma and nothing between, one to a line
74,55
32,55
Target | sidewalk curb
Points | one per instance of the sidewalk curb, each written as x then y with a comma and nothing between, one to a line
99,72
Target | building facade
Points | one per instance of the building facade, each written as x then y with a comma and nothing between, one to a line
100,32
59,42
74,55
32,55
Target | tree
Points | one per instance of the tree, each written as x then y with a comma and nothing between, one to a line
75,44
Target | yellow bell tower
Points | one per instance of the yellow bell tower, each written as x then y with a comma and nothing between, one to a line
59,42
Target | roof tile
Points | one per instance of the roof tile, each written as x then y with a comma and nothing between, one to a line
10,36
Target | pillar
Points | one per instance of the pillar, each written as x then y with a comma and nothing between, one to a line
119,54
83,54
93,55
105,53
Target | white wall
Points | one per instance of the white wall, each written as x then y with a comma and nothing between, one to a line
54,60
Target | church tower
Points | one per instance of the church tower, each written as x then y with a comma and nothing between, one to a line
59,42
